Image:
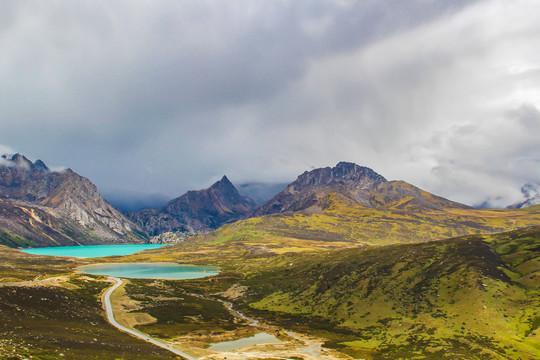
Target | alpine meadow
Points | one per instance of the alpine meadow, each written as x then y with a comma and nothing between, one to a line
269,180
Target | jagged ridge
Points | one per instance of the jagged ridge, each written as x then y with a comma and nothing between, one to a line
197,211
356,184
57,208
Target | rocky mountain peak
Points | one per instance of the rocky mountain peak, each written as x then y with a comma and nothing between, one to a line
347,178
40,165
17,160
343,174
197,211
225,186
71,204
22,163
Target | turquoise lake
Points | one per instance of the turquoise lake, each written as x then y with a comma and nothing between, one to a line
169,271
92,251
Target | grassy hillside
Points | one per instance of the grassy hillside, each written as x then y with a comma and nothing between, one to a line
60,318
474,297
343,224
12,240
471,297
53,322
16,266
401,221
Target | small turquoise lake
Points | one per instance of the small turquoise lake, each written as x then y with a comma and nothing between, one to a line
167,271
257,339
92,251
170,271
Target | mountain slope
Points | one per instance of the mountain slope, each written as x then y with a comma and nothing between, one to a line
398,194
356,185
197,211
350,205
344,226
50,208
348,179
472,297
475,297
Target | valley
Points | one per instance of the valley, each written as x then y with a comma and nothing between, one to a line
269,180
341,264
472,297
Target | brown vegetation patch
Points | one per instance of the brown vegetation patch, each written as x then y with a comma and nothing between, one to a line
234,292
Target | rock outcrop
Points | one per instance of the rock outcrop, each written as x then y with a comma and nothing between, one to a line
353,183
308,189
196,211
51,208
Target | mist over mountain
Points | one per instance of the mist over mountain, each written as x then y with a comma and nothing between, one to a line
196,211
49,208
261,192
130,201
531,194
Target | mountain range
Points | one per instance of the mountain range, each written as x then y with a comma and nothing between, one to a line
371,268
348,202
354,184
40,207
196,211
208,209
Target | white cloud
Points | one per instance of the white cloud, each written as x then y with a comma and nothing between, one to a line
441,105
4,150
168,96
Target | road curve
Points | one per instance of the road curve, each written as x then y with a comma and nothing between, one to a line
110,317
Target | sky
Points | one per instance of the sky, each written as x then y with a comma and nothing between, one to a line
163,97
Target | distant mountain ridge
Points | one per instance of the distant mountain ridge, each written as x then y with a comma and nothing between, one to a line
311,186
47,208
63,207
356,184
197,211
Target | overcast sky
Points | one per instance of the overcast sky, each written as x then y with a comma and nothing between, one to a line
167,96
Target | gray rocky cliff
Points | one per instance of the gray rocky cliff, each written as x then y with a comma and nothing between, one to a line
72,205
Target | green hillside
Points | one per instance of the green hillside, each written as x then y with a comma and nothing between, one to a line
343,224
474,297
60,318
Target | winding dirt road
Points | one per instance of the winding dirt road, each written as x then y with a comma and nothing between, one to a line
110,317
310,349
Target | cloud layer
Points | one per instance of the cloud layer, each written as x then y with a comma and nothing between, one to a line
167,96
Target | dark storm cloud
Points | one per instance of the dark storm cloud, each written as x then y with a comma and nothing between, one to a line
161,96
